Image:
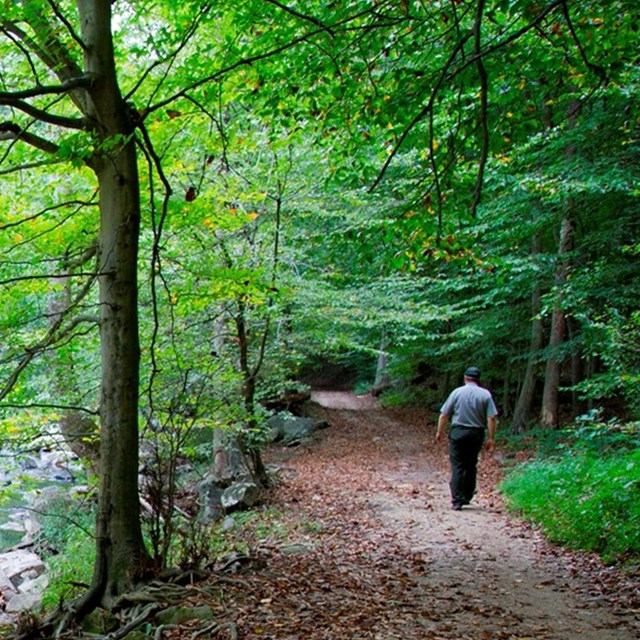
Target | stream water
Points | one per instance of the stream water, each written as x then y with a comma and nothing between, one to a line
24,479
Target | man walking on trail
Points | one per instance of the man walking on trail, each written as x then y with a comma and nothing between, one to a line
471,410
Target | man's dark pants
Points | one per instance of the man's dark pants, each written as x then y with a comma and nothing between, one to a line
465,444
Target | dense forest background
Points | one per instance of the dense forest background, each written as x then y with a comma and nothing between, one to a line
204,204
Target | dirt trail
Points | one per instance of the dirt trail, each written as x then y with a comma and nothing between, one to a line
390,559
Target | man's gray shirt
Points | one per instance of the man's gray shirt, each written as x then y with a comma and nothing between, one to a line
470,406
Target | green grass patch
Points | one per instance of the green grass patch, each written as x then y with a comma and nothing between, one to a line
582,498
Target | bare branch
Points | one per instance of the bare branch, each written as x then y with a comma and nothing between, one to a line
16,39
48,276
426,110
154,161
60,205
53,53
88,253
172,56
248,61
46,405
28,165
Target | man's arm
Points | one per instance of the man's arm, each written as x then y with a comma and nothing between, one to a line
491,436
443,421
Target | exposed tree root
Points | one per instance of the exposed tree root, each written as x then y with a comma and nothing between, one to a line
142,616
137,608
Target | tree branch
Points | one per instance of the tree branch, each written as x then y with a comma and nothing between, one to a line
424,111
172,56
248,61
598,70
302,16
67,24
11,131
47,276
44,116
444,75
55,207
53,335
27,166
80,82
484,115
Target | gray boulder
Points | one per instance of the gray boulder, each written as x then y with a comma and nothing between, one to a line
210,494
21,565
216,501
242,495
22,580
293,430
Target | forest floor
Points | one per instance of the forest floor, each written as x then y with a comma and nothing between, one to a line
373,550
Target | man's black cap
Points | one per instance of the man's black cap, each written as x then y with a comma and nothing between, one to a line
472,372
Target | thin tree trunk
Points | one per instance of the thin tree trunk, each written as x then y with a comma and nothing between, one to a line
382,380
505,409
577,366
550,395
549,416
249,376
524,403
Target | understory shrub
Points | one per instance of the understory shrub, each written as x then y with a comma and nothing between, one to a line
582,499
67,544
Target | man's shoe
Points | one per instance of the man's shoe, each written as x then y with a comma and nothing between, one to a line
456,506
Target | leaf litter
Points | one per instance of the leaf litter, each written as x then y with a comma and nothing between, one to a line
375,553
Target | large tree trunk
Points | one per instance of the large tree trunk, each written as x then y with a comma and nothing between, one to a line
119,532
121,554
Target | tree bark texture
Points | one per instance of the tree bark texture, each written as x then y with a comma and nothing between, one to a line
121,554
